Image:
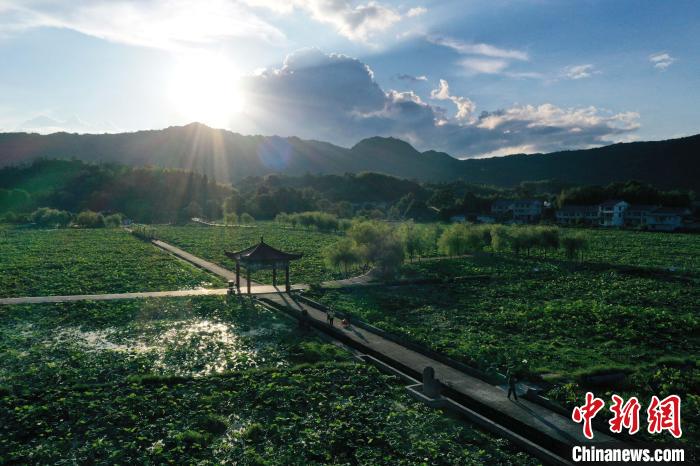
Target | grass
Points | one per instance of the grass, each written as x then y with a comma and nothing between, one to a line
71,261
212,242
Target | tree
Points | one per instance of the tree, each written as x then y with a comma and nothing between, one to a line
114,220
193,210
343,254
230,218
369,235
500,238
453,241
410,237
247,218
548,239
443,198
47,217
213,209
573,246
90,219
390,256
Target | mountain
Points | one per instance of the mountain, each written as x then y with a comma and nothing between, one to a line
228,156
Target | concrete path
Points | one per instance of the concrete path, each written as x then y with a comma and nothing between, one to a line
199,262
553,425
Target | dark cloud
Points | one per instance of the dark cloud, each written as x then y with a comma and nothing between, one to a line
335,98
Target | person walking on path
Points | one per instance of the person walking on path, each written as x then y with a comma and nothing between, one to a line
511,380
330,315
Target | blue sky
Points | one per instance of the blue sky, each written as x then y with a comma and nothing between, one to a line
472,78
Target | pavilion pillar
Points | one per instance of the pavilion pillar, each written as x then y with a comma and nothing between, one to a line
238,276
274,274
286,278
247,271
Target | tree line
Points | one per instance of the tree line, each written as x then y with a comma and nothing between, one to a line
385,246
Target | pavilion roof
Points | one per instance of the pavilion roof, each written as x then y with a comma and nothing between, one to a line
262,252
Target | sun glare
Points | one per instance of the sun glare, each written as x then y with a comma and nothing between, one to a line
205,89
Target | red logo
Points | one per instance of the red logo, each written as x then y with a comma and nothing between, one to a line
587,412
661,415
665,415
626,415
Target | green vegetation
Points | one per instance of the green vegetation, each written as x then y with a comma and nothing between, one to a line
621,311
204,381
147,195
72,261
211,243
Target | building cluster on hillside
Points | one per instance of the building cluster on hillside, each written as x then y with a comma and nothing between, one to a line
612,213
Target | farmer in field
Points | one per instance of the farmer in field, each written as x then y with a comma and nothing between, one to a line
511,379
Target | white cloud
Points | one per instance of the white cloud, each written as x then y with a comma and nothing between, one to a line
335,97
356,21
486,58
484,65
161,24
580,71
416,11
486,50
465,107
661,60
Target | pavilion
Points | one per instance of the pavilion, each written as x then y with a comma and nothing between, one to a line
262,256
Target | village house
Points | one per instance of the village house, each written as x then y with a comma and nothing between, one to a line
636,214
501,207
518,210
666,218
578,215
527,210
612,213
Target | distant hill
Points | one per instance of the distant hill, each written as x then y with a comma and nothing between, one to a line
228,156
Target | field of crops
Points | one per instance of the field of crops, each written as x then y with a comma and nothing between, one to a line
211,243
71,261
209,382
643,249
622,313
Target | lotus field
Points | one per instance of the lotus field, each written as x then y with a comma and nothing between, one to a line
204,381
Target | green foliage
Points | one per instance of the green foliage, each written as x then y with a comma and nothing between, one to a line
378,245
127,382
74,261
246,218
144,232
460,238
114,220
147,195
573,245
212,242
230,218
623,314
47,217
343,254
90,219
633,192
320,221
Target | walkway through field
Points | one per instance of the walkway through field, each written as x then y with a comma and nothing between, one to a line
558,429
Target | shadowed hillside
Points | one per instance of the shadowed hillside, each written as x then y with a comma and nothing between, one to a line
228,156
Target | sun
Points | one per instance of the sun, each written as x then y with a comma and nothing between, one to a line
205,88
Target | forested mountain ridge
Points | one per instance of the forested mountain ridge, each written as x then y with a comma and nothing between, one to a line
230,157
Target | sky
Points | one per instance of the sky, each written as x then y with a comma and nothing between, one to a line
471,78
